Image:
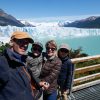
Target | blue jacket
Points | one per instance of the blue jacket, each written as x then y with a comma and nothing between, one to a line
66,74
14,83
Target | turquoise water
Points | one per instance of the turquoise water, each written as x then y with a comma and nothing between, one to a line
90,44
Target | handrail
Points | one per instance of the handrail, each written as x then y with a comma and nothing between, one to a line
86,78
83,59
87,68
82,86
81,80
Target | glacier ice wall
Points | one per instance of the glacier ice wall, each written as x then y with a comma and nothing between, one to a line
50,32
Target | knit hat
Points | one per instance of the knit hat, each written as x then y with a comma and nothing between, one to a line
21,35
37,43
64,46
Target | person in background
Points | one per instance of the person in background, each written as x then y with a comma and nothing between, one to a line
66,73
14,79
50,70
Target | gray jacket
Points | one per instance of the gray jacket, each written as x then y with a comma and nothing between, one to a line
34,64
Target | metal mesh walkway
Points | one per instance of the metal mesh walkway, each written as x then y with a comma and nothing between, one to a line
90,93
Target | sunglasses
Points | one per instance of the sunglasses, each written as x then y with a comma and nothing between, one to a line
48,48
37,49
63,50
21,41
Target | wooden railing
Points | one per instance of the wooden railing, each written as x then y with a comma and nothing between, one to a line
85,81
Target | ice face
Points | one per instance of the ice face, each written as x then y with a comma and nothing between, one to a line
51,32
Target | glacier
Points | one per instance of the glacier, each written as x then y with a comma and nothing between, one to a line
41,32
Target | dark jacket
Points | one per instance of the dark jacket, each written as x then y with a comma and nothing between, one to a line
66,74
50,72
14,83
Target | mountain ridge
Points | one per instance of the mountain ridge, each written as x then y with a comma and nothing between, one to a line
90,22
6,19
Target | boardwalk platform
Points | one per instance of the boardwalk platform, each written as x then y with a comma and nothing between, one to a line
86,87
90,93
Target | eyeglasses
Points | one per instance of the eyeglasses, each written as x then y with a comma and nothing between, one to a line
48,48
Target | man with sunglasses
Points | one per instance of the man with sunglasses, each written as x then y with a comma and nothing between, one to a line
14,79
66,73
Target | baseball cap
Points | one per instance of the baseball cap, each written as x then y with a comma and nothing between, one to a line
64,46
21,35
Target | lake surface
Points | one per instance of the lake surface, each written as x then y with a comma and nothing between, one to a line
90,44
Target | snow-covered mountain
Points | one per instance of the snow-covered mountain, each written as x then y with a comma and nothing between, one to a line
34,24
90,22
28,24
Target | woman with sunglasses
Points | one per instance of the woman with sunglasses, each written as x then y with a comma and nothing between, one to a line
50,70
66,73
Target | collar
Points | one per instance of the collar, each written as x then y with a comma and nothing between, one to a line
15,56
65,58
